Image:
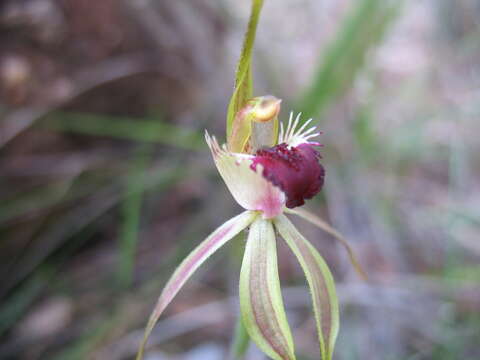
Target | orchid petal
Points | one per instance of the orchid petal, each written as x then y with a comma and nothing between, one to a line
248,186
191,263
261,304
322,224
320,281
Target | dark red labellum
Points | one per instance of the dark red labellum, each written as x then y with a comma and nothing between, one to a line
296,171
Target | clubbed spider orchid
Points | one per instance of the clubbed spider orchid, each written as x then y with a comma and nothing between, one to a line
270,170
269,175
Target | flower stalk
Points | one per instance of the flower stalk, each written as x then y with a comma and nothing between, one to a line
243,89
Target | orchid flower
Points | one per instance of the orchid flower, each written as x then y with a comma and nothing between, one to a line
270,171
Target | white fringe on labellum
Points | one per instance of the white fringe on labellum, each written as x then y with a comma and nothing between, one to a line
293,137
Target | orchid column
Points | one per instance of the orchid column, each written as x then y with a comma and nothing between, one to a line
270,170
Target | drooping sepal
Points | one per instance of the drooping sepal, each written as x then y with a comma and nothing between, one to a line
261,302
191,263
320,281
322,224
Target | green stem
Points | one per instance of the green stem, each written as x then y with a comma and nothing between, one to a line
131,211
240,341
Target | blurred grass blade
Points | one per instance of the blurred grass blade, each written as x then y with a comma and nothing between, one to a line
78,218
31,201
191,263
317,221
261,304
16,306
126,128
320,281
84,346
131,210
243,89
363,29
241,340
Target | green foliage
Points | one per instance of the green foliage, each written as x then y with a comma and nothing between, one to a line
240,343
141,130
131,211
12,310
362,30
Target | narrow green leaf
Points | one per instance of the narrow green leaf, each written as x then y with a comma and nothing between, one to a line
363,29
320,281
261,301
322,224
243,89
191,263
135,129
131,212
241,340
16,306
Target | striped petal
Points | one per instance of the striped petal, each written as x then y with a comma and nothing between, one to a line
191,263
247,185
322,224
320,281
261,302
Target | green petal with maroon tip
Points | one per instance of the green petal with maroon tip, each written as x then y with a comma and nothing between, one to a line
320,281
261,303
191,263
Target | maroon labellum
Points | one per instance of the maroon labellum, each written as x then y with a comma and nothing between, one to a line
295,170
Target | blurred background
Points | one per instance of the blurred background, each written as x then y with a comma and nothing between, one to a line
106,183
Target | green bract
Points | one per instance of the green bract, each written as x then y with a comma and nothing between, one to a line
243,89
